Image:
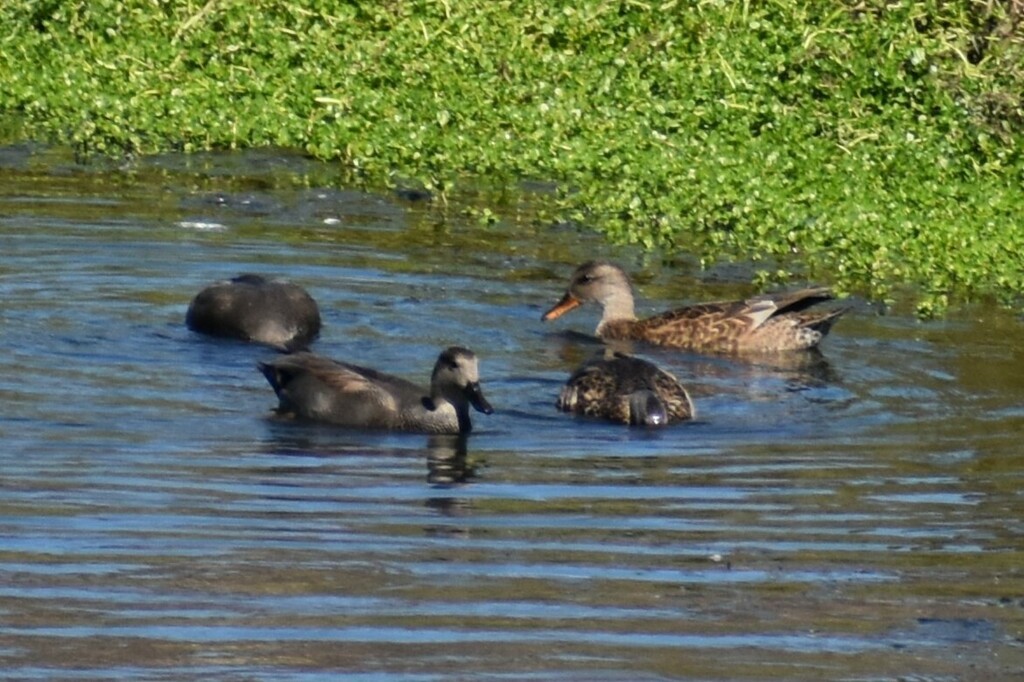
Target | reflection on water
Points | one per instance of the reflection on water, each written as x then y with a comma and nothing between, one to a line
853,514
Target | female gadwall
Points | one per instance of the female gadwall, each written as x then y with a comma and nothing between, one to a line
771,322
622,388
253,308
313,387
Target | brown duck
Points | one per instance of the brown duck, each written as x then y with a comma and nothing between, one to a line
766,323
621,388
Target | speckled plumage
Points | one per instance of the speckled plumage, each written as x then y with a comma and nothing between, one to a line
316,388
625,389
766,323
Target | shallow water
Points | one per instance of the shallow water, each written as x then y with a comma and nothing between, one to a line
857,516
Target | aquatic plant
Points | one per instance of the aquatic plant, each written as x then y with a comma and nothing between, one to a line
874,145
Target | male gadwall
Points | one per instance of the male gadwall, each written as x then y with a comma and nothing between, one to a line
770,322
622,388
253,308
313,387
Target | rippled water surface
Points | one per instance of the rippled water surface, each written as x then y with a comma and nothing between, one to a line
857,516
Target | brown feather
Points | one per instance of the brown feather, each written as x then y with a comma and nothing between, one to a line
770,322
608,387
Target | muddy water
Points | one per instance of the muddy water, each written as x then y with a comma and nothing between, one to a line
854,516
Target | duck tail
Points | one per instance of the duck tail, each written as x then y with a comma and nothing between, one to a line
801,299
275,376
823,322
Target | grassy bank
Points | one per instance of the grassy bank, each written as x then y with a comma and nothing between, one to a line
874,145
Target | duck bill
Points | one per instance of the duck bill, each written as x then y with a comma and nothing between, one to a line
568,302
477,399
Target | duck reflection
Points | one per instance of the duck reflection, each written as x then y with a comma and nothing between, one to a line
354,466
448,468
448,464
447,460
710,374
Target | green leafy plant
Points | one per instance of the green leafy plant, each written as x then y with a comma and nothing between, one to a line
874,145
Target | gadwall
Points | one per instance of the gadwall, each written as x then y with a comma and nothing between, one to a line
313,387
770,322
626,389
254,308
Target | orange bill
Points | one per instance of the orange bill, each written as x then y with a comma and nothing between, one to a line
567,303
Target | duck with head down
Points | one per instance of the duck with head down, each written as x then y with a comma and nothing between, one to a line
316,388
625,389
766,323
255,308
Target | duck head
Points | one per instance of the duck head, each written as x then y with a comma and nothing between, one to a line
456,379
599,281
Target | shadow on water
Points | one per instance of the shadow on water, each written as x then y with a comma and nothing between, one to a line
849,514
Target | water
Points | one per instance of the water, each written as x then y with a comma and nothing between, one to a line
858,516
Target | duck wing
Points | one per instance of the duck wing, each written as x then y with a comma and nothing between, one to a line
315,386
351,378
722,325
705,326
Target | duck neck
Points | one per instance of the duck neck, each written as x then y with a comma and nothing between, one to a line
440,407
618,307
462,413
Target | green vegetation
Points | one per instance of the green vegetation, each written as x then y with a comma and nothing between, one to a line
875,144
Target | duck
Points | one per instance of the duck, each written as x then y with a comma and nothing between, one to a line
316,388
765,323
259,309
626,389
